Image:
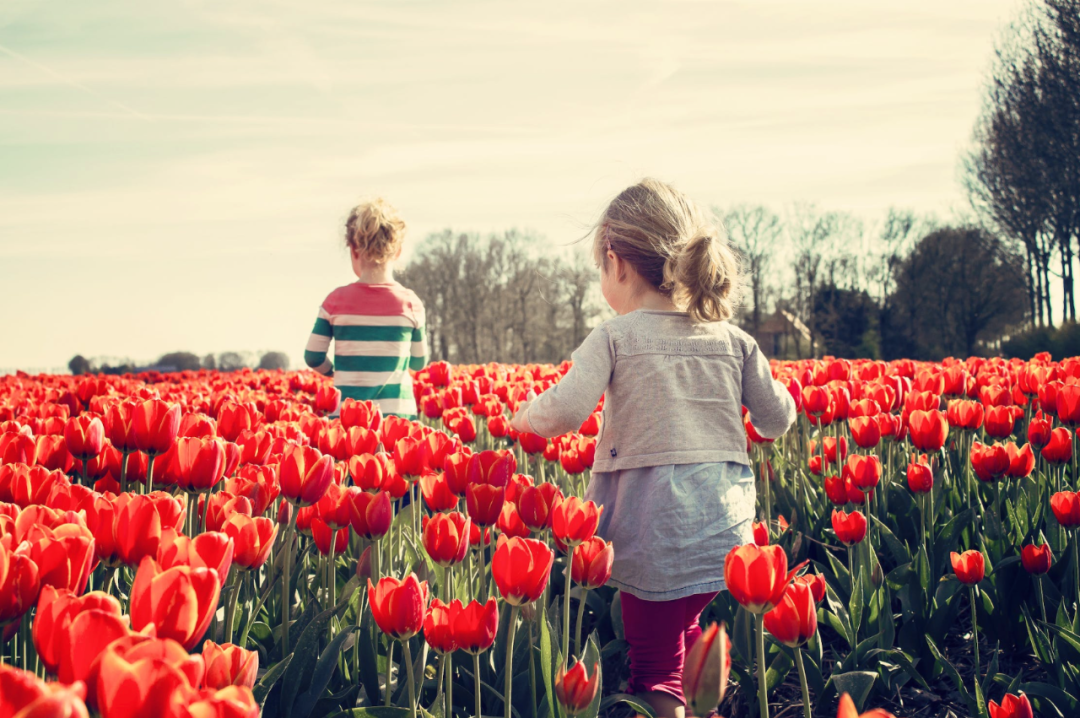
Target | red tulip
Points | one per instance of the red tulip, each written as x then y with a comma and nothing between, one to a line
535,505
965,415
155,425
574,689
85,436
1059,449
64,555
756,576
865,431
990,462
436,492
1066,508
327,399
850,528
928,430
252,539
197,464
1068,404
476,625
1039,429
69,631
439,625
521,568
446,538
179,601
24,695
574,521
52,453
136,687
211,549
305,475
794,620
399,607
999,421
761,533
969,566
227,702
816,584
370,515
484,503
864,471
591,564
847,710
706,670
19,584
364,414
920,477
368,471
229,665
492,467
1021,461
532,443
322,533
138,528
1036,559
1012,707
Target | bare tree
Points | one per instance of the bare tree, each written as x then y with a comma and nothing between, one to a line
755,231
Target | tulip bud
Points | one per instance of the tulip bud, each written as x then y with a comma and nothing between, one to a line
705,673
363,566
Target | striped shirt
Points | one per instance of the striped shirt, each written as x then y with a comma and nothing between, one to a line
378,333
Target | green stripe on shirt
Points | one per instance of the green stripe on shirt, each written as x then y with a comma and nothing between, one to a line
323,328
367,393
361,363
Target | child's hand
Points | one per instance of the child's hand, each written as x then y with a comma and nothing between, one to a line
518,423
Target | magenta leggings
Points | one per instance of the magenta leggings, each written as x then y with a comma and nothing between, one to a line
660,633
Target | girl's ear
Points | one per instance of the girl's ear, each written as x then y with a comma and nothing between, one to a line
618,266
397,254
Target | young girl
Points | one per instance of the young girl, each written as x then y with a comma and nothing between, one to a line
671,468
377,324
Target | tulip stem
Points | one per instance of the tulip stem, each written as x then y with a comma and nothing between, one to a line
763,688
580,616
476,678
123,472
802,683
286,595
205,510
1042,602
566,609
448,707
1076,567
974,632
230,608
255,612
483,587
532,669
389,668
149,474
409,672
509,681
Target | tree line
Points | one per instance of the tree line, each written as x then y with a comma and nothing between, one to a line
181,361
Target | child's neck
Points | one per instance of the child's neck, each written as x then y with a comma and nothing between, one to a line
376,274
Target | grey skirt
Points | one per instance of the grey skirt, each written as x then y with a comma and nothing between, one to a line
672,526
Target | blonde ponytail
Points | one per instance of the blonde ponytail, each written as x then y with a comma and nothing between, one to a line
669,241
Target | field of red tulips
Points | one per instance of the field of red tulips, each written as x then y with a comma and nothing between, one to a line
215,544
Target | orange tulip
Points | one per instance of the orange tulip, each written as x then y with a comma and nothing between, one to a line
574,689
179,601
227,702
399,607
706,670
756,576
229,665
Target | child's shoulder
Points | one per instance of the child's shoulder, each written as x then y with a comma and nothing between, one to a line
372,300
671,326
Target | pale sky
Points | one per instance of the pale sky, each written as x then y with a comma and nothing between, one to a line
173,176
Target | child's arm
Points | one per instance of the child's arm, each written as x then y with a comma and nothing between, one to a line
772,410
418,358
319,343
564,407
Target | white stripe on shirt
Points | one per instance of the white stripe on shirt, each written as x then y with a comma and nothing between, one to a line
362,320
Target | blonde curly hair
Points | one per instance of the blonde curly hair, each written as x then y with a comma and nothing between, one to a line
375,231
674,246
